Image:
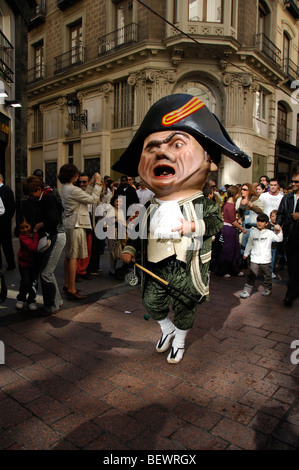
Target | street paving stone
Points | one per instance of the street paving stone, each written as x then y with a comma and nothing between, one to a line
89,378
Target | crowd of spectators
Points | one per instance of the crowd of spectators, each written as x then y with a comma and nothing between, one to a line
70,219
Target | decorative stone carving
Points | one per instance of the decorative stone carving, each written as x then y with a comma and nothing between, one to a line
105,89
243,80
177,56
61,103
148,78
132,79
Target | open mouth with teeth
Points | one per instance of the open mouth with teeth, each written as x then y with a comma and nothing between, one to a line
162,171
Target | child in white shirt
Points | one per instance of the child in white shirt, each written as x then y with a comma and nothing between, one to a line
259,247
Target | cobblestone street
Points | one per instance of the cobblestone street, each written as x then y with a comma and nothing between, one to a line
89,377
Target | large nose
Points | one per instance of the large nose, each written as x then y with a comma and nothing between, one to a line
163,152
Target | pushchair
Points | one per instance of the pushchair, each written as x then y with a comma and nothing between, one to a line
132,277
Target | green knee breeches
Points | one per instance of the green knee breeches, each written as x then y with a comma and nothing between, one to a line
158,297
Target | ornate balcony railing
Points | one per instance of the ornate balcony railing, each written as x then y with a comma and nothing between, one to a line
119,38
39,14
290,68
38,72
75,56
265,45
6,58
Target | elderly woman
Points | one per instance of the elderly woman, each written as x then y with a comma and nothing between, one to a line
46,212
76,221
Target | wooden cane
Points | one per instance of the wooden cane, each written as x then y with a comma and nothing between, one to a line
152,274
167,283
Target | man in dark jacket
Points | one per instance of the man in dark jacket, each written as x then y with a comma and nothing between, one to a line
8,199
125,189
288,219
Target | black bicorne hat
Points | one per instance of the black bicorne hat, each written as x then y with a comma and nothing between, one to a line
189,114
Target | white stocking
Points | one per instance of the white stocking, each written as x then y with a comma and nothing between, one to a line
166,325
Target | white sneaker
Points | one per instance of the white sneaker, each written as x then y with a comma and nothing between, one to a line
244,294
176,355
274,276
266,293
241,274
226,275
165,342
32,306
20,305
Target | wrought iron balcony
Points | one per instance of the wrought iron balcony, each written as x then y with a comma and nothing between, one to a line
6,58
290,68
265,45
38,72
284,133
119,38
39,15
75,56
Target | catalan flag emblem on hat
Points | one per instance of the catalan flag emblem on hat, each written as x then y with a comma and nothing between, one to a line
181,113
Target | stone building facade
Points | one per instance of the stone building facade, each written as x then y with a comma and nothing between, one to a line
14,20
112,59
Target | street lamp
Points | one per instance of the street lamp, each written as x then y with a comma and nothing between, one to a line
72,108
13,103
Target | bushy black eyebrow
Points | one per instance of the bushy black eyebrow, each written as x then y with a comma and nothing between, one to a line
157,143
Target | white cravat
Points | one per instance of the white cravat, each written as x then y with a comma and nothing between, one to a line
165,219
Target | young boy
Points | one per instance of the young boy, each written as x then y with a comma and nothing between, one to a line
259,247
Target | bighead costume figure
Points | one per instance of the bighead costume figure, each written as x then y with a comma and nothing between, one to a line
177,145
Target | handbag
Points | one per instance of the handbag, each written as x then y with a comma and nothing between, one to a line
116,249
44,243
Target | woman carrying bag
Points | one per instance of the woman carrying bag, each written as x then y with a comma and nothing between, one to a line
46,212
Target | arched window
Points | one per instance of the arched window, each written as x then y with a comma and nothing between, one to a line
201,91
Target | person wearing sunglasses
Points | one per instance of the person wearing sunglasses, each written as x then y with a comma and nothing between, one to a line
248,206
288,219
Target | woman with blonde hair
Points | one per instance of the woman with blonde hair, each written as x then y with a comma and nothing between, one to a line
229,263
